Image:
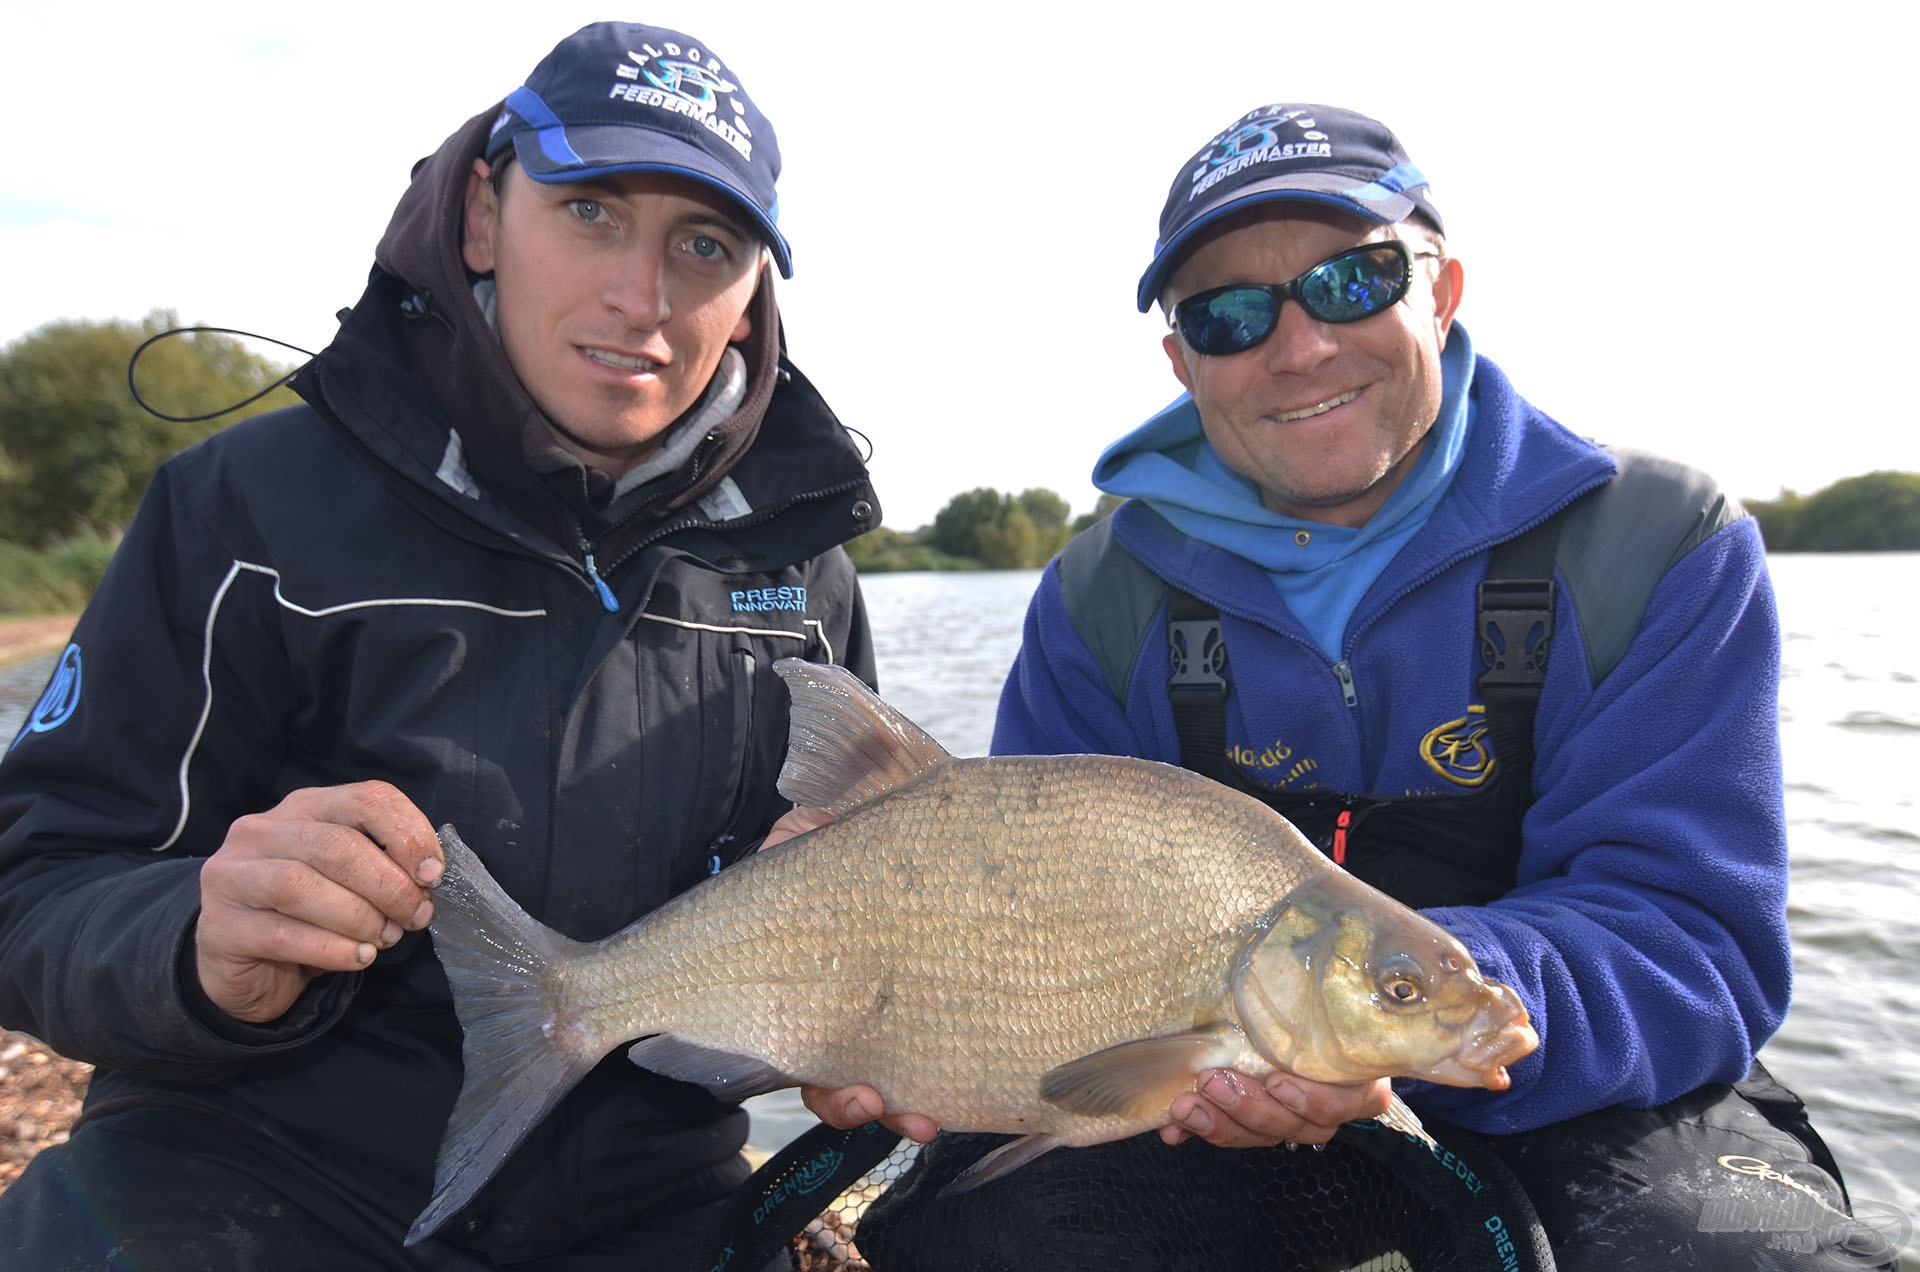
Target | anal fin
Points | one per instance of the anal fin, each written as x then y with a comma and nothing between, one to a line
1003,1160
728,1074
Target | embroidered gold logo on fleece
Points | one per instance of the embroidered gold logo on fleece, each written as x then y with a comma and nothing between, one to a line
1460,750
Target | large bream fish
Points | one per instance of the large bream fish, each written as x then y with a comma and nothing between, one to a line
1046,945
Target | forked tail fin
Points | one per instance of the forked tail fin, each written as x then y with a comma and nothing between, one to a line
520,1055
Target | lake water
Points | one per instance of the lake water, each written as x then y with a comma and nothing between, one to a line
1850,719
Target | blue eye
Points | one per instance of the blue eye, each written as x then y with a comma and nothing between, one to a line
589,210
708,249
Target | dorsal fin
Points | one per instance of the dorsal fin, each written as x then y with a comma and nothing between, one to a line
844,745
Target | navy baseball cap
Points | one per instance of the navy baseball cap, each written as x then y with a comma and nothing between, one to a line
620,97
1315,154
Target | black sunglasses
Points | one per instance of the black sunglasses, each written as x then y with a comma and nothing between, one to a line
1354,284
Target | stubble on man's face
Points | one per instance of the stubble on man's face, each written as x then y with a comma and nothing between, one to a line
1325,418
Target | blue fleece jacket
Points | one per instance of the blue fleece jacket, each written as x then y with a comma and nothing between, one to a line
1647,934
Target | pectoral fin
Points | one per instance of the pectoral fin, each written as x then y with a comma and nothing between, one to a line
1137,1080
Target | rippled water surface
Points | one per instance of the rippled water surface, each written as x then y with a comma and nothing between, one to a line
1850,725
1850,715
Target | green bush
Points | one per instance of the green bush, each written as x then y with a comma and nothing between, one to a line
77,448
54,580
1876,512
886,551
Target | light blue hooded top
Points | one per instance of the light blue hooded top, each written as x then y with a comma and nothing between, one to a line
1321,570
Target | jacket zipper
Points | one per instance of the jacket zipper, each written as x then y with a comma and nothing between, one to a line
1343,670
747,522
672,526
723,851
608,601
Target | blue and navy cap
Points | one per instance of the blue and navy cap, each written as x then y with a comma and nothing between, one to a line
620,97
1313,154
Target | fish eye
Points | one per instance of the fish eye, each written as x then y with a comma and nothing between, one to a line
1401,982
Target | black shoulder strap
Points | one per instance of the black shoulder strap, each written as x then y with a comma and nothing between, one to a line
1514,619
1610,548
1515,623
1112,601
1197,684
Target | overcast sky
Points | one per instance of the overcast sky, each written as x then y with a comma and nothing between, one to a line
1680,223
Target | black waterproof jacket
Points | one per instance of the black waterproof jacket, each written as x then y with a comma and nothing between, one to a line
317,596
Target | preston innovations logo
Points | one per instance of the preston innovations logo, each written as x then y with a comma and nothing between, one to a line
60,701
1460,750
1262,136
686,81
764,600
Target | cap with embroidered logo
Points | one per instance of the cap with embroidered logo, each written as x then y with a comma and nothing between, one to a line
1317,154
620,97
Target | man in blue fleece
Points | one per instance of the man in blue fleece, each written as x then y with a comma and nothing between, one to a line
1576,770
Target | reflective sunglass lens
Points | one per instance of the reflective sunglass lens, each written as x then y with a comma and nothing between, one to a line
1346,288
1354,285
1229,321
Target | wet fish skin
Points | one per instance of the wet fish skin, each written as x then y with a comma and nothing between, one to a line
1051,946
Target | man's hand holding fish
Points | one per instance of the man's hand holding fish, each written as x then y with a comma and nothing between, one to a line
1226,1107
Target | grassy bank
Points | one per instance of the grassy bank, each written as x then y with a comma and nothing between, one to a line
56,580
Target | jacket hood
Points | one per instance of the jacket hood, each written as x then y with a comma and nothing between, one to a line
502,430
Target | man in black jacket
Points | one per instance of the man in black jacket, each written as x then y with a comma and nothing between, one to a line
555,504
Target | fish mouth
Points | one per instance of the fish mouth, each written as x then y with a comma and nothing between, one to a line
1498,1035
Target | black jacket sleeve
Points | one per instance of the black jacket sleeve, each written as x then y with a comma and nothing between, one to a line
106,815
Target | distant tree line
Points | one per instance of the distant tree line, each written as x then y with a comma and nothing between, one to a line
983,529
1879,512
77,451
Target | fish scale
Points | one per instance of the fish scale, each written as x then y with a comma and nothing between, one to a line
898,893
1048,945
